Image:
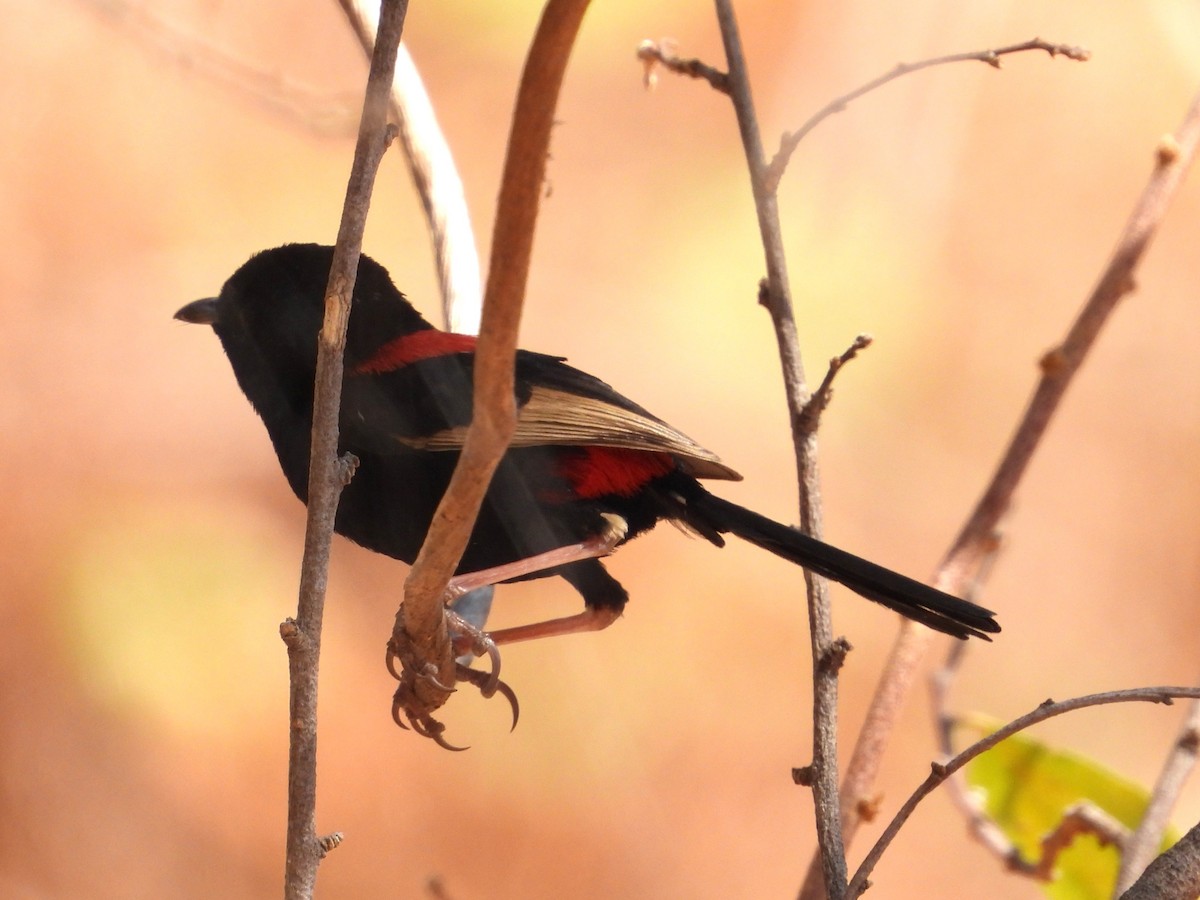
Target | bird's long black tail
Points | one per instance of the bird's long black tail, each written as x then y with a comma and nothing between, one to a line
910,598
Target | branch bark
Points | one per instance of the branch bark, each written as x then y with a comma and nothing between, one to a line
328,473
1173,876
775,294
959,571
1173,158
421,619
1142,845
941,771
913,641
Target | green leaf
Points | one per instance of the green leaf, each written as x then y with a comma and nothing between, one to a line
1027,786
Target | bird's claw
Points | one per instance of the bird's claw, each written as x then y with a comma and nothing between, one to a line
469,639
431,728
389,660
483,681
428,671
424,725
421,691
406,706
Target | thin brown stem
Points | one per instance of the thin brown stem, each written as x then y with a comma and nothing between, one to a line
1077,820
328,474
960,571
1059,366
655,53
981,826
810,416
790,141
1143,844
1081,818
941,771
775,294
1173,876
423,624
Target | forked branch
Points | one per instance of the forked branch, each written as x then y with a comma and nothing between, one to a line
941,771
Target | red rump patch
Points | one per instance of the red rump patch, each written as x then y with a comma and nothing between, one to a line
412,348
600,471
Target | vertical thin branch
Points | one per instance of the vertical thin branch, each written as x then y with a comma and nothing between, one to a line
1142,845
896,682
891,690
327,473
494,416
776,296
890,693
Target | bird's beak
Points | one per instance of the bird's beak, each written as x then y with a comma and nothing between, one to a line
199,312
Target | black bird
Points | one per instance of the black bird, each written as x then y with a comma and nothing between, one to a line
583,456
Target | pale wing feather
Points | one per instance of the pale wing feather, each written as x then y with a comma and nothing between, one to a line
554,416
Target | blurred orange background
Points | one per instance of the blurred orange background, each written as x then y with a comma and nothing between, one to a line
150,547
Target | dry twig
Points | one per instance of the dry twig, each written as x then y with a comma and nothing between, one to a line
810,416
941,771
1173,158
1173,876
660,53
976,543
325,114
1143,844
1082,818
777,298
328,473
420,627
791,140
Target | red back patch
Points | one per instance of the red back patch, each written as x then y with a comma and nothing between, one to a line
412,348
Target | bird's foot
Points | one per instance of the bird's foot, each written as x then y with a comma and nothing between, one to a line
424,688
427,675
467,639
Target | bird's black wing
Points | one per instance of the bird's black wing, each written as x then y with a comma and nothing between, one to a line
426,404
